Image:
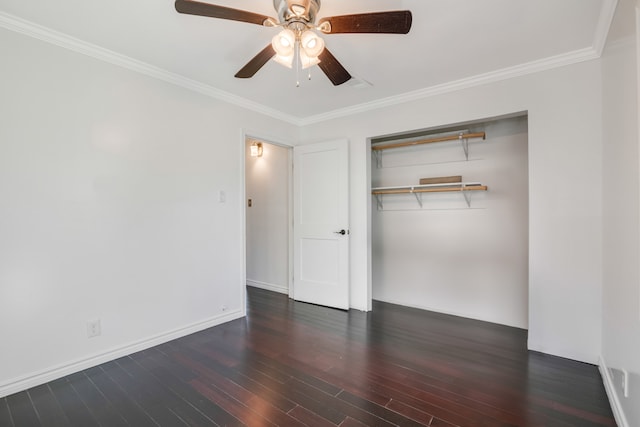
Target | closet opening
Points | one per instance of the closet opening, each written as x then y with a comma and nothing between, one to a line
449,219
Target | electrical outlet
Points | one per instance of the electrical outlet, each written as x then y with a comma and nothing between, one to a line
93,328
224,308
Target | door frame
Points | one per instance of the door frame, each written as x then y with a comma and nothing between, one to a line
280,142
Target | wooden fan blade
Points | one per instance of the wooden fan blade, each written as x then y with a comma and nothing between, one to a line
256,63
206,9
393,22
332,68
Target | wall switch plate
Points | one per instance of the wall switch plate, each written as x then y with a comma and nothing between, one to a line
222,197
93,328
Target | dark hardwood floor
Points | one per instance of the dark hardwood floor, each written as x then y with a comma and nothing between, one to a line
294,364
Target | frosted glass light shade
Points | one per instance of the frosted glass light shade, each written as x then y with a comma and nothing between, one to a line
287,61
311,44
284,42
307,61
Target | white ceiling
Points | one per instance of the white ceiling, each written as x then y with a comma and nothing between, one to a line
452,43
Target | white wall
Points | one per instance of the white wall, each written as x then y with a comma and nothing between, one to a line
621,253
109,205
446,256
109,209
565,192
267,185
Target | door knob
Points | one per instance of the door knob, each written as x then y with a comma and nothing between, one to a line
342,232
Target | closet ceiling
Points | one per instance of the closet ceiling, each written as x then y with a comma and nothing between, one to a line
452,43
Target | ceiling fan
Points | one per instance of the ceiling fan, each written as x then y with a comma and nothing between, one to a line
298,40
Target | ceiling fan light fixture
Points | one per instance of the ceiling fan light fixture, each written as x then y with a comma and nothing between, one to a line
287,61
311,44
299,41
308,61
284,42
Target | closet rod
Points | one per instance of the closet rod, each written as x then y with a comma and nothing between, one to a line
429,141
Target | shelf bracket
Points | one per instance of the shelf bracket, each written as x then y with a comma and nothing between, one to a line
467,197
418,197
465,145
378,154
379,201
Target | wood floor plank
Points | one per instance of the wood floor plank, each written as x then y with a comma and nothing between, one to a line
98,405
120,399
269,391
22,410
207,408
377,410
310,418
293,364
259,403
71,403
5,415
151,400
47,407
350,422
329,401
234,407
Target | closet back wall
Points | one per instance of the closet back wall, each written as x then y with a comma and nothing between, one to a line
445,256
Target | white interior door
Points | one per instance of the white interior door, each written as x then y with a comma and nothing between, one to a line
321,224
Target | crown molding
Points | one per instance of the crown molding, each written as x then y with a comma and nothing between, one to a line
18,25
481,79
607,13
31,29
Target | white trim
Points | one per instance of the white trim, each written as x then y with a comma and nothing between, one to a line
31,29
637,36
607,13
614,401
48,35
243,221
268,286
569,58
44,376
447,312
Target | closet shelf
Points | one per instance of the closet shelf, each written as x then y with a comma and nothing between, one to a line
462,137
417,190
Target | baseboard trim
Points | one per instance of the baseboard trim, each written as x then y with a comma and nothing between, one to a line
268,286
448,312
44,376
614,401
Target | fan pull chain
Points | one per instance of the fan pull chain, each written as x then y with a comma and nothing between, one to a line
297,59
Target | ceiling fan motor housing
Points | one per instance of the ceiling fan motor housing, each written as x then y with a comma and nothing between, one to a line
290,11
